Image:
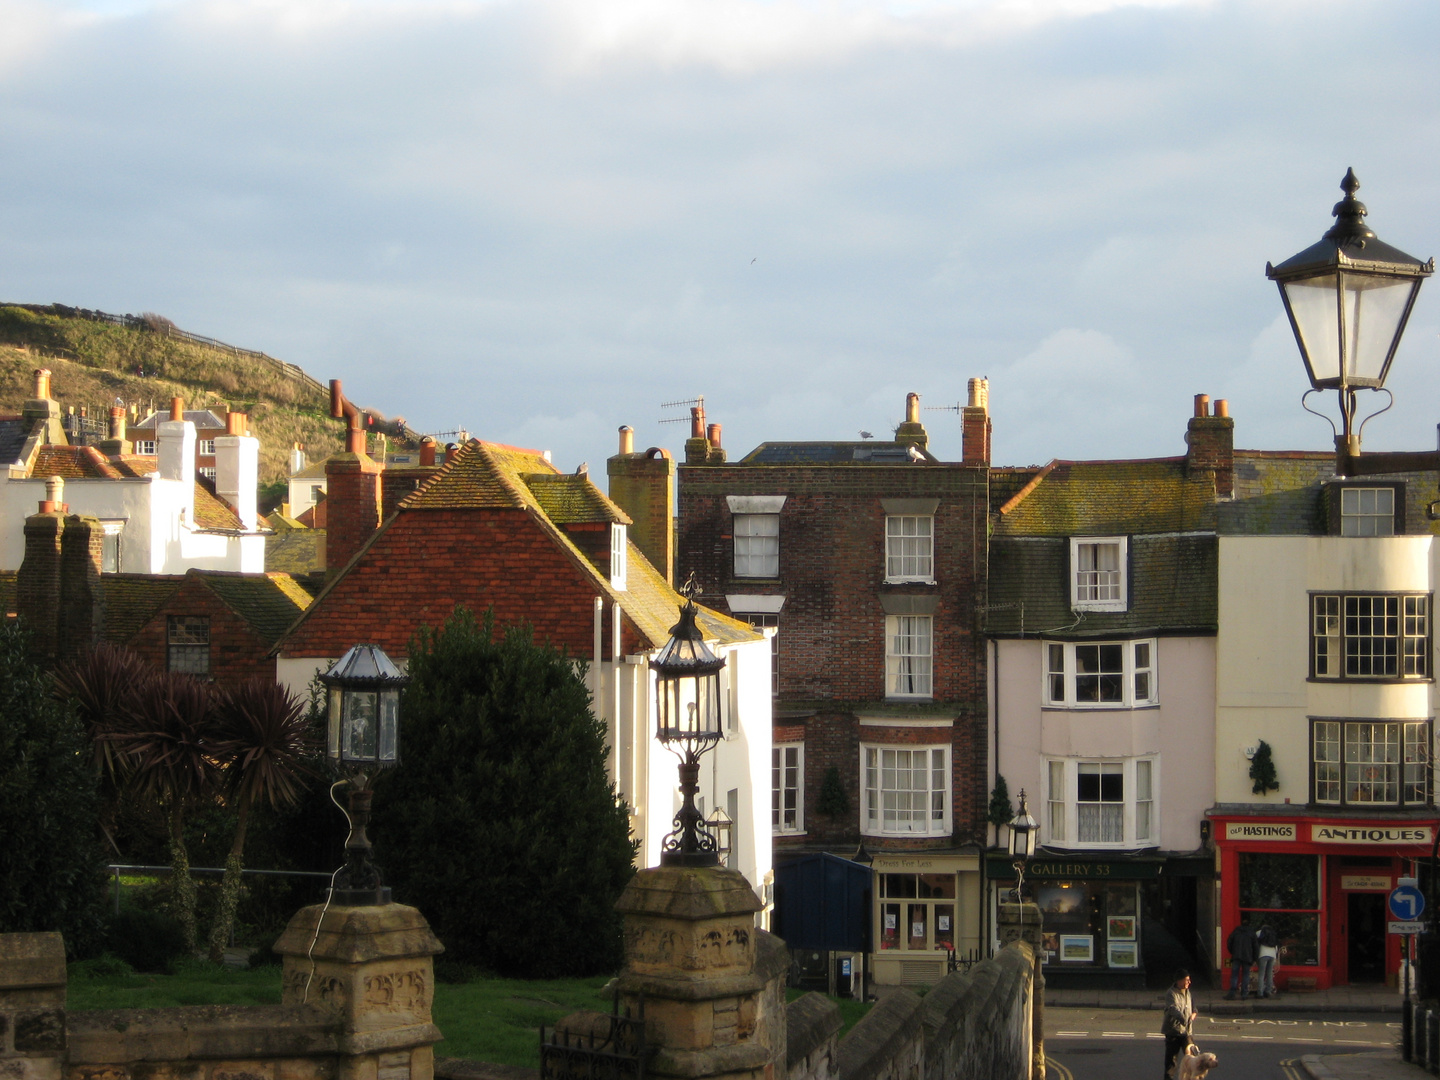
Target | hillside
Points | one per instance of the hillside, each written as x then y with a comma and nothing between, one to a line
96,359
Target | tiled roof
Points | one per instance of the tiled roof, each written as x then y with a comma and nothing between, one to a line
868,452
131,601
1098,498
213,512
313,471
73,463
87,463
296,551
654,606
1173,587
268,602
136,465
481,475
572,499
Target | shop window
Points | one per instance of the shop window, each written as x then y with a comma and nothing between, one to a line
1100,804
906,791
787,788
917,912
1089,924
1370,762
1370,637
1283,891
1100,674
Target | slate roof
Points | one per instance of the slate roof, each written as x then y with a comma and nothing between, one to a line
131,600
268,602
1103,498
1277,492
573,499
296,551
867,452
14,430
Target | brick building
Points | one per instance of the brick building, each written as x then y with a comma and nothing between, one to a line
866,562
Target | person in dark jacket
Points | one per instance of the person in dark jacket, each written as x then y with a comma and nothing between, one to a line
1178,1024
1244,950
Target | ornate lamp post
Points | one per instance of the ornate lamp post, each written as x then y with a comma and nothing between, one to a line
687,701
1348,298
363,711
1023,828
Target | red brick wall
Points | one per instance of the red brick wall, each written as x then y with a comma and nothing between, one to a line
427,561
237,653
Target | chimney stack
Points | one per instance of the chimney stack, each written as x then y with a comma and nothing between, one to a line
44,411
643,485
975,424
1210,442
175,456
297,458
697,446
237,469
912,431
57,592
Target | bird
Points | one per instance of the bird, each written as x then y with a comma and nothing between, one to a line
866,435
752,261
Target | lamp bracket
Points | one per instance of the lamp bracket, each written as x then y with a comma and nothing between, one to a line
1307,408
1360,434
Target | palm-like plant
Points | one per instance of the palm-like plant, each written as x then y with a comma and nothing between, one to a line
169,745
262,734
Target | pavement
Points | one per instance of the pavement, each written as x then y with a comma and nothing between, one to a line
1381,1065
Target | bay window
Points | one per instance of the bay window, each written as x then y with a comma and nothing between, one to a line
1100,674
1379,636
1370,762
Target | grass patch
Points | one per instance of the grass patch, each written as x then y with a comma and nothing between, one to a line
103,984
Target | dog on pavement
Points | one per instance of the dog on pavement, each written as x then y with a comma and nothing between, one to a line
1193,1065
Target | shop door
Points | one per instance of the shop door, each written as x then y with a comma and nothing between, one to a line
1365,931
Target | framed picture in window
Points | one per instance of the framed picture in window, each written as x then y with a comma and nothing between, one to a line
1121,928
1123,954
1077,948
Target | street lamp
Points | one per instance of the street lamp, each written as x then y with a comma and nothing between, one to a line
687,701
363,713
1348,298
1023,828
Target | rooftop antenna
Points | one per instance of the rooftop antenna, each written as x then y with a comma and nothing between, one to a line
697,401
944,408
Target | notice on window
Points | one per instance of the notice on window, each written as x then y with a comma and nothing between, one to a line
890,920
942,922
917,929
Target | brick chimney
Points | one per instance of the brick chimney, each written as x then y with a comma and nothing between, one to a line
975,424
912,431
697,446
643,485
237,468
1210,442
116,444
352,505
57,590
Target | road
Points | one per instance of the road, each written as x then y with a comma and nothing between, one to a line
1113,1044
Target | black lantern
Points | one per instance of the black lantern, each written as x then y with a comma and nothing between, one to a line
1348,298
687,722
1023,828
363,713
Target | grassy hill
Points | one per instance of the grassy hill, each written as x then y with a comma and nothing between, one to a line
96,359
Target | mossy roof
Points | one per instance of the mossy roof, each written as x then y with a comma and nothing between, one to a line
131,600
268,602
570,499
1101,498
296,551
73,463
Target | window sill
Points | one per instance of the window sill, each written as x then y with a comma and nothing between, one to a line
909,697
1112,608
788,834
1103,707
909,581
945,834
1382,680
1077,846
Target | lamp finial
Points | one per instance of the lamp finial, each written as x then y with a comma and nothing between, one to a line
1349,214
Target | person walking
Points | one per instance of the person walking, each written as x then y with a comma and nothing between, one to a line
1268,946
1242,946
1178,1024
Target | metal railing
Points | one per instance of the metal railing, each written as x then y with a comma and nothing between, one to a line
117,869
618,1053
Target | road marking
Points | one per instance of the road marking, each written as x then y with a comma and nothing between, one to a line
1357,1042
1074,1034
1117,1034
1258,1038
1051,1065
1152,1035
1299,1039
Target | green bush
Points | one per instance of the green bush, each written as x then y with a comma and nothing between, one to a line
500,822
146,940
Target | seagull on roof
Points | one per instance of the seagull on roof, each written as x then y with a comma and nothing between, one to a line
866,435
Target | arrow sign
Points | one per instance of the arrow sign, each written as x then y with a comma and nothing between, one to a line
1407,903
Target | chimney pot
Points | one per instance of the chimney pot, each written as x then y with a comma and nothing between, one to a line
1202,404
42,382
54,494
427,451
337,400
979,391
177,408
451,449
912,408
713,434
1222,407
235,423
627,439
697,422
117,421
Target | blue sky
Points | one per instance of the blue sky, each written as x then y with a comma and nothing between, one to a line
542,219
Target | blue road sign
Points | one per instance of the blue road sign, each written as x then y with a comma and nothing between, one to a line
1407,903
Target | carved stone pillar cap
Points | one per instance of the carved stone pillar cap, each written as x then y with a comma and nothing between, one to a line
690,893
355,935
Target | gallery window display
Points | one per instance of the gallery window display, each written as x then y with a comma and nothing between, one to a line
1091,924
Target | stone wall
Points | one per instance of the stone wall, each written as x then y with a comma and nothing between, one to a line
812,1026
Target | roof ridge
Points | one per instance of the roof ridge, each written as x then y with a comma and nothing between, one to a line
1019,497
524,498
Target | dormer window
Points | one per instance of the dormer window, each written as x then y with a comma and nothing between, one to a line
618,556
1097,573
1365,509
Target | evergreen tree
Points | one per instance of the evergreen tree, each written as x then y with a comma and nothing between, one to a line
833,803
51,862
999,812
1262,770
500,822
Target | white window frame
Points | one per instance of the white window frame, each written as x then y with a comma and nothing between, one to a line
205,447
787,763
881,760
111,546
1099,590
1356,519
757,545
1353,762
917,533
1063,806
910,672
187,645
619,556
1135,678
145,447
207,471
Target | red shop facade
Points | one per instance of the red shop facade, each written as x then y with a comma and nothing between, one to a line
1321,883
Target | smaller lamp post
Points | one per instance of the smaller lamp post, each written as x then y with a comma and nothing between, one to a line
687,723
363,710
1022,842
1348,298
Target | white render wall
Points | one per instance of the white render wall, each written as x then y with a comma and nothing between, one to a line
1179,731
1263,689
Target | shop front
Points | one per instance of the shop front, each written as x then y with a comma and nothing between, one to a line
927,915
1092,910
1321,884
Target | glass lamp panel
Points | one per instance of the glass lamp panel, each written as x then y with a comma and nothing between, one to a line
361,727
1374,315
333,717
1313,306
389,725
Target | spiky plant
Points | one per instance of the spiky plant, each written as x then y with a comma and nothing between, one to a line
262,735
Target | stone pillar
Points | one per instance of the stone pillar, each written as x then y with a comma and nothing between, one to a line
712,982
32,1006
370,969
1022,922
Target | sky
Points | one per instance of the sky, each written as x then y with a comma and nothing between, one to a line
541,219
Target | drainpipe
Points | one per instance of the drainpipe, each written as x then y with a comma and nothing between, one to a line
596,680
615,691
